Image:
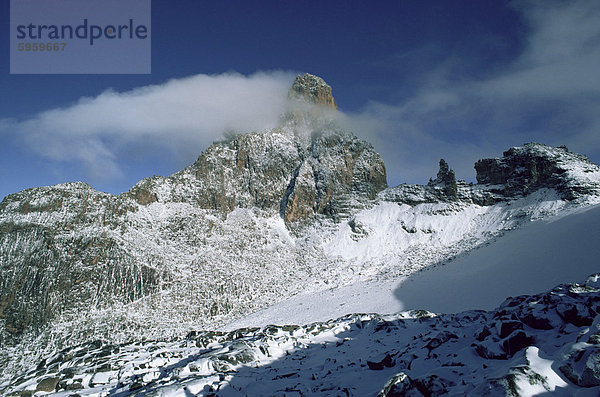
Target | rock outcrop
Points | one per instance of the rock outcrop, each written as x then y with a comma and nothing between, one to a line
284,171
522,170
446,180
336,168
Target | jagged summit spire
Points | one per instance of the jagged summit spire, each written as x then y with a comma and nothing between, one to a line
446,180
312,89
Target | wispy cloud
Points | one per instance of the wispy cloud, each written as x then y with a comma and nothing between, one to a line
549,93
182,116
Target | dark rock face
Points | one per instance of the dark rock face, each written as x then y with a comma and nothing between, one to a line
144,196
516,342
522,170
446,180
334,167
279,170
250,170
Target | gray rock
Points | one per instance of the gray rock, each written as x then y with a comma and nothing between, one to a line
48,384
379,364
508,385
583,367
522,170
400,385
516,342
445,180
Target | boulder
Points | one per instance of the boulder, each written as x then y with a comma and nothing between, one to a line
47,384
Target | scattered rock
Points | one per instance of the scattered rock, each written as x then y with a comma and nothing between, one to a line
387,361
74,386
508,385
516,342
490,350
440,339
400,385
433,385
583,367
48,384
483,334
576,314
507,327
537,322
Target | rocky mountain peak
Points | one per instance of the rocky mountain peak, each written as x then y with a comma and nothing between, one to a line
312,89
286,171
308,165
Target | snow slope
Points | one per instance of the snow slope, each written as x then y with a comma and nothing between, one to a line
533,258
524,261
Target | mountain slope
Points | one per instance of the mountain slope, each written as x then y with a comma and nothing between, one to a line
79,264
533,258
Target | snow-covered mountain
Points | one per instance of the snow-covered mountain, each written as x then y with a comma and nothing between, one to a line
261,217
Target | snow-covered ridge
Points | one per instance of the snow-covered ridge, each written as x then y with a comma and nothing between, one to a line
542,343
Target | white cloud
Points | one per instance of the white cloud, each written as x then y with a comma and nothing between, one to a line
562,53
182,115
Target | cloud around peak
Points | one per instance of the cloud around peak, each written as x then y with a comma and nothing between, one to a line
182,116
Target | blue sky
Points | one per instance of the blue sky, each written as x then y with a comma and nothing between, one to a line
421,80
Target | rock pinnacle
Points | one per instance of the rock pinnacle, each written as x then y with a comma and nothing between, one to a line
312,89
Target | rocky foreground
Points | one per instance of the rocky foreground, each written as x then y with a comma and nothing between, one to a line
529,345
